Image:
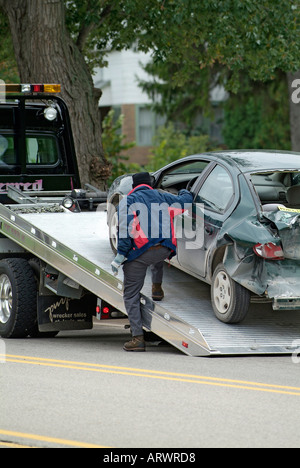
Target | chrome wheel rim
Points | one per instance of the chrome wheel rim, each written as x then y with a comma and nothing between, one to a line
222,292
5,299
114,231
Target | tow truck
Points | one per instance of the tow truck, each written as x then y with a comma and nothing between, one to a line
37,153
55,272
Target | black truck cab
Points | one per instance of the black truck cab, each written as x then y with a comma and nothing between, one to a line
37,151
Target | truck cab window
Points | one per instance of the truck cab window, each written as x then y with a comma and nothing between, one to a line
7,151
41,150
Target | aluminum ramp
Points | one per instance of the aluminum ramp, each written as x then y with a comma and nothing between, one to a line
77,244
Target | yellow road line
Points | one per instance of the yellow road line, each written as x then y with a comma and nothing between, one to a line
160,375
52,440
11,445
149,371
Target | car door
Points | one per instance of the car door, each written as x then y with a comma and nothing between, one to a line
198,227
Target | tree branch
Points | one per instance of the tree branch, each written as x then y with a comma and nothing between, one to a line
88,28
83,35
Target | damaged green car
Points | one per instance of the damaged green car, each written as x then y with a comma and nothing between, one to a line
242,234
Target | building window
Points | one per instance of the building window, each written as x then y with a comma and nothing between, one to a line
147,123
144,126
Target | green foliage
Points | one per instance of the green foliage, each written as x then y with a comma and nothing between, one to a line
8,66
199,44
199,41
114,145
258,117
178,103
257,36
99,26
171,144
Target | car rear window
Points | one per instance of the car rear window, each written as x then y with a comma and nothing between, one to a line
273,187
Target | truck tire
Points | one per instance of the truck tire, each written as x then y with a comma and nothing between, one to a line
229,299
18,298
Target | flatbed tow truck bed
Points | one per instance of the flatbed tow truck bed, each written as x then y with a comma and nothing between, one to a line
77,245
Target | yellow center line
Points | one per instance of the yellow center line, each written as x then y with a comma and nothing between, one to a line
160,375
11,445
51,440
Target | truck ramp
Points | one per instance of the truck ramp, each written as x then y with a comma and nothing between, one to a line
77,244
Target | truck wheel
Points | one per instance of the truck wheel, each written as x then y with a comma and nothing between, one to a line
18,298
229,299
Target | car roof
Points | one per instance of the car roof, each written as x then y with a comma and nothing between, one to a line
257,160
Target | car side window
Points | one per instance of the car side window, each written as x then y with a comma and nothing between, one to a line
178,176
217,190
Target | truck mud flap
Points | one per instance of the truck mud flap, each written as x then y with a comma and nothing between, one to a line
57,313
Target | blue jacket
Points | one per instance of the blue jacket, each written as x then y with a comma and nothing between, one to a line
146,219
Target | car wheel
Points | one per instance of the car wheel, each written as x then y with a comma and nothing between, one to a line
230,300
113,231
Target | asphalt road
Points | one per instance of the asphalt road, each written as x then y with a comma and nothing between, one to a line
81,389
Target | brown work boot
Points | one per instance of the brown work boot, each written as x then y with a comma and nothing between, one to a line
157,292
137,344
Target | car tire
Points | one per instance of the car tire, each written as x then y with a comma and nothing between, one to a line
18,298
113,231
229,299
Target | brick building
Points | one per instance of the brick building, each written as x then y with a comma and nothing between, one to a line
119,84
121,92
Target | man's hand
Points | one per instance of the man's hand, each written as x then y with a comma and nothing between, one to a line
116,263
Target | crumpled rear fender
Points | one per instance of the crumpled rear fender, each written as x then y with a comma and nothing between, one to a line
246,268
287,222
283,279
273,279
243,230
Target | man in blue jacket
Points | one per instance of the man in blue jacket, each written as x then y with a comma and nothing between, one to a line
146,237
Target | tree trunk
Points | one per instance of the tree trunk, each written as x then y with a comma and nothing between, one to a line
46,53
294,102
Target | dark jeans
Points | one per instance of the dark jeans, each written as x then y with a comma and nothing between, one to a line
134,278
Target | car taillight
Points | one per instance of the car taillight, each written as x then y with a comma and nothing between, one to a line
269,251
